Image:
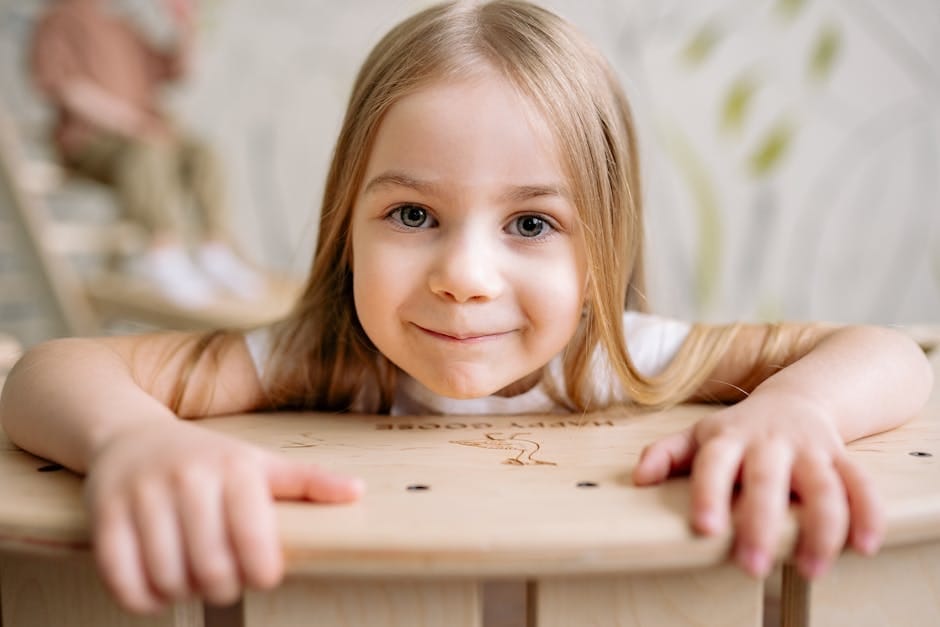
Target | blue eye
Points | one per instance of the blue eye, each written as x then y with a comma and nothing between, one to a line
530,226
411,216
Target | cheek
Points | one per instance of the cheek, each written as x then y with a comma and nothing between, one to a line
556,299
368,288
379,289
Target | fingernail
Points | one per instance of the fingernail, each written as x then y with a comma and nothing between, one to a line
867,543
754,561
708,522
810,567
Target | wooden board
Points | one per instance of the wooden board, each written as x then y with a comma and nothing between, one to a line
481,515
42,592
720,596
123,297
330,602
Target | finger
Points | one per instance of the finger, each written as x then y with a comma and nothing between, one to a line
664,457
118,559
714,471
866,513
252,526
765,491
824,514
292,480
161,548
211,564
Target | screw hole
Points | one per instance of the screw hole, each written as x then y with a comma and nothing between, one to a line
418,487
50,468
586,484
920,454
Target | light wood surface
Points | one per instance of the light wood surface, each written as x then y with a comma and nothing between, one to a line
118,296
46,592
10,351
370,603
721,596
481,515
545,499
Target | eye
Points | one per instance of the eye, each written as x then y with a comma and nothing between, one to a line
530,226
411,216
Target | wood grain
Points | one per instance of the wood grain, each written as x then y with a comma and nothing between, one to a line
49,591
367,603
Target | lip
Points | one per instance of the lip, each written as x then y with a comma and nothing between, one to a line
472,337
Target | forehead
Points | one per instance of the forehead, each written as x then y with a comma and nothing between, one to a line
474,130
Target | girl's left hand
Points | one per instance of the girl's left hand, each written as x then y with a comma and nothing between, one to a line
771,444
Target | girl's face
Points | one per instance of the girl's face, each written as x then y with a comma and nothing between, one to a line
469,269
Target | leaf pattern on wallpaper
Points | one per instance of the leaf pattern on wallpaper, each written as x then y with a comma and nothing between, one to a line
738,103
790,8
692,168
825,52
772,148
702,44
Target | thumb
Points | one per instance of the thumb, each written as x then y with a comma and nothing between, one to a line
665,457
290,480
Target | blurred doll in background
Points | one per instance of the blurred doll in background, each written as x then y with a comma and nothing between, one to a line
103,76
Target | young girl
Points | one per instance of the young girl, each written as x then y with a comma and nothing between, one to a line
480,250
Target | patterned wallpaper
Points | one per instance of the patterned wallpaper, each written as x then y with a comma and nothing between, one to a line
791,148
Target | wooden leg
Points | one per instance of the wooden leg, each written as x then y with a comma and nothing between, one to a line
720,596
38,591
899,586
366,603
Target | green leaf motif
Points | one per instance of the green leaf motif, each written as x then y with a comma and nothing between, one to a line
771,149
790,8
737,103
694,172
701,45
825,53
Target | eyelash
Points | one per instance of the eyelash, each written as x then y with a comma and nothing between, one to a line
395,216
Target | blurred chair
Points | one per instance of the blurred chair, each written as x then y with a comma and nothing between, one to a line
86,303
10,351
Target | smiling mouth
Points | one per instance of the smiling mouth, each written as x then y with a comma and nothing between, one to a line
462,338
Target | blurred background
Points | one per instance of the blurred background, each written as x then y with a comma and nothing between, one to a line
791,148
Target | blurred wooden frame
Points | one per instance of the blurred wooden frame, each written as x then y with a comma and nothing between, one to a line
85,306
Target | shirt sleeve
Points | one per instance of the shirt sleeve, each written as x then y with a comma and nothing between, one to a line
258,342
653,341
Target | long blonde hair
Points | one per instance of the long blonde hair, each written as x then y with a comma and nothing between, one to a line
320,356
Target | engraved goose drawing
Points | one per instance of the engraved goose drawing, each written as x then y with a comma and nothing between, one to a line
526,448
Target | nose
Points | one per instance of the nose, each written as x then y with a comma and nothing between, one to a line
466,269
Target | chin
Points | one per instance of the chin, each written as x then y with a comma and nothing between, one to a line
462,387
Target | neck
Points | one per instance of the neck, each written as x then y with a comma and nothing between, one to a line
521,386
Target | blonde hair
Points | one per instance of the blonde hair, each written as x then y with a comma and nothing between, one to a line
320,356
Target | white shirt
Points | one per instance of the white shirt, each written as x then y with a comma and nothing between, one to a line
652,342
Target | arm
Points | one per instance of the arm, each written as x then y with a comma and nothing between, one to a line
57,405
828,386
867,379
175,510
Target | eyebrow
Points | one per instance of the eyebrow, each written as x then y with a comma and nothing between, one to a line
514,193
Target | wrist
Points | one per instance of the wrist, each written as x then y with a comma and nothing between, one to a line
103,436
805,403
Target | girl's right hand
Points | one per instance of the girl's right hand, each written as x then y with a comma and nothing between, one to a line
179,511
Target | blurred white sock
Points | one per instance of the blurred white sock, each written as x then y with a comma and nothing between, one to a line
223,266
173,273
